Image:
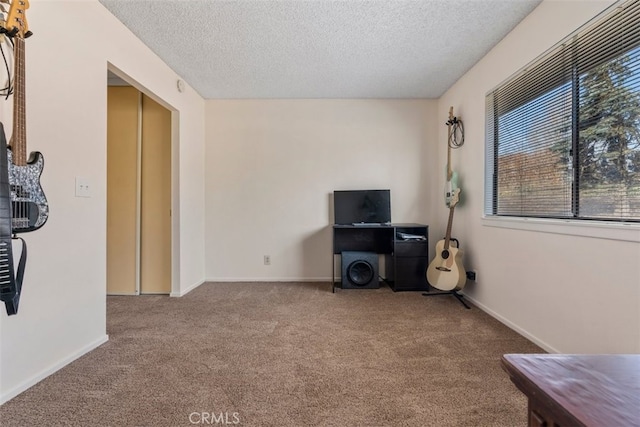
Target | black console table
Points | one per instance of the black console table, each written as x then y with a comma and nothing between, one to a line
406,261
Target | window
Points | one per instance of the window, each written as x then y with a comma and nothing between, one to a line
563,136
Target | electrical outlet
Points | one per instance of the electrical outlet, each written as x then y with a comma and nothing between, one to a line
83,188
472,275
267,260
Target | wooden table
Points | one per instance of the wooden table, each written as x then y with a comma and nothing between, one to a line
578,390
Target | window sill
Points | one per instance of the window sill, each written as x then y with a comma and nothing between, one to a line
628,232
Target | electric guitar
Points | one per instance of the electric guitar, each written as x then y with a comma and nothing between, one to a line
23,205
30,208
451,183
446,271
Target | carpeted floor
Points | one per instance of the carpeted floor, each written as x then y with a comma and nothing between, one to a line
285,354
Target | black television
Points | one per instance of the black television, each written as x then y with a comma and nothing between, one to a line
353,207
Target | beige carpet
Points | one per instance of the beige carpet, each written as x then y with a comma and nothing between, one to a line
285,354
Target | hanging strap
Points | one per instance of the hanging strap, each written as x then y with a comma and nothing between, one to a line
10,284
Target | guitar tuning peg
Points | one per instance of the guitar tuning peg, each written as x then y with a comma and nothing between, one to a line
28,34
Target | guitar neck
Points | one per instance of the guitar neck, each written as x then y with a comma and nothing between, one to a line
19,136
447,238
449,171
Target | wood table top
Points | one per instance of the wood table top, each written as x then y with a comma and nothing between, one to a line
590,390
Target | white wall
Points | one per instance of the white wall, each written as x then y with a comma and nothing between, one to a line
567,292
63,305
273,165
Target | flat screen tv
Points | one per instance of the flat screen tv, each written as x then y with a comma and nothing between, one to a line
362,207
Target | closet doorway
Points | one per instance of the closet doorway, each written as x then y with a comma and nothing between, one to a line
138,194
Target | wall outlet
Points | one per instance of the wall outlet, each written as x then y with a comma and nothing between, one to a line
267,260
472,275
83,188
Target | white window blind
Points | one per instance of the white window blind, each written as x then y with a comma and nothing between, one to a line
563,136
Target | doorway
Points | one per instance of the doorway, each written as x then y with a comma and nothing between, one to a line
138,193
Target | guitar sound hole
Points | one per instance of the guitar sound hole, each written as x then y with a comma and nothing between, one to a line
445,254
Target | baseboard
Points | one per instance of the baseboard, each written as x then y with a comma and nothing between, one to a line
513,326
52,369
268,279
183,292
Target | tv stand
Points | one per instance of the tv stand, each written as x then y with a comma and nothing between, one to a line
406,261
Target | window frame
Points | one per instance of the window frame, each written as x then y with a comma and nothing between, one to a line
621,231
616,228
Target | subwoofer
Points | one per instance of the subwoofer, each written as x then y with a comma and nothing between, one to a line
360,270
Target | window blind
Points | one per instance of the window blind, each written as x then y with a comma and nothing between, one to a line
563,135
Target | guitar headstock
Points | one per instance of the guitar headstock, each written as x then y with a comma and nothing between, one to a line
15,24
452,119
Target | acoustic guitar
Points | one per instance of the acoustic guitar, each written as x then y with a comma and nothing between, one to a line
446,271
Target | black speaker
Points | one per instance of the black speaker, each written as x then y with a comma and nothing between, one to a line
360,270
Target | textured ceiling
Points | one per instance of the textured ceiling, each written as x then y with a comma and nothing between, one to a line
320,48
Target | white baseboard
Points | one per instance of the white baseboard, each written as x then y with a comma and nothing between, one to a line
183,292
268,279
52,369
513,326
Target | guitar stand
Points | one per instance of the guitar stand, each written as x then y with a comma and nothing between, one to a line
454,293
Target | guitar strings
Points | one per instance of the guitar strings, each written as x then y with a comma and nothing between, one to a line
18,206
19,106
